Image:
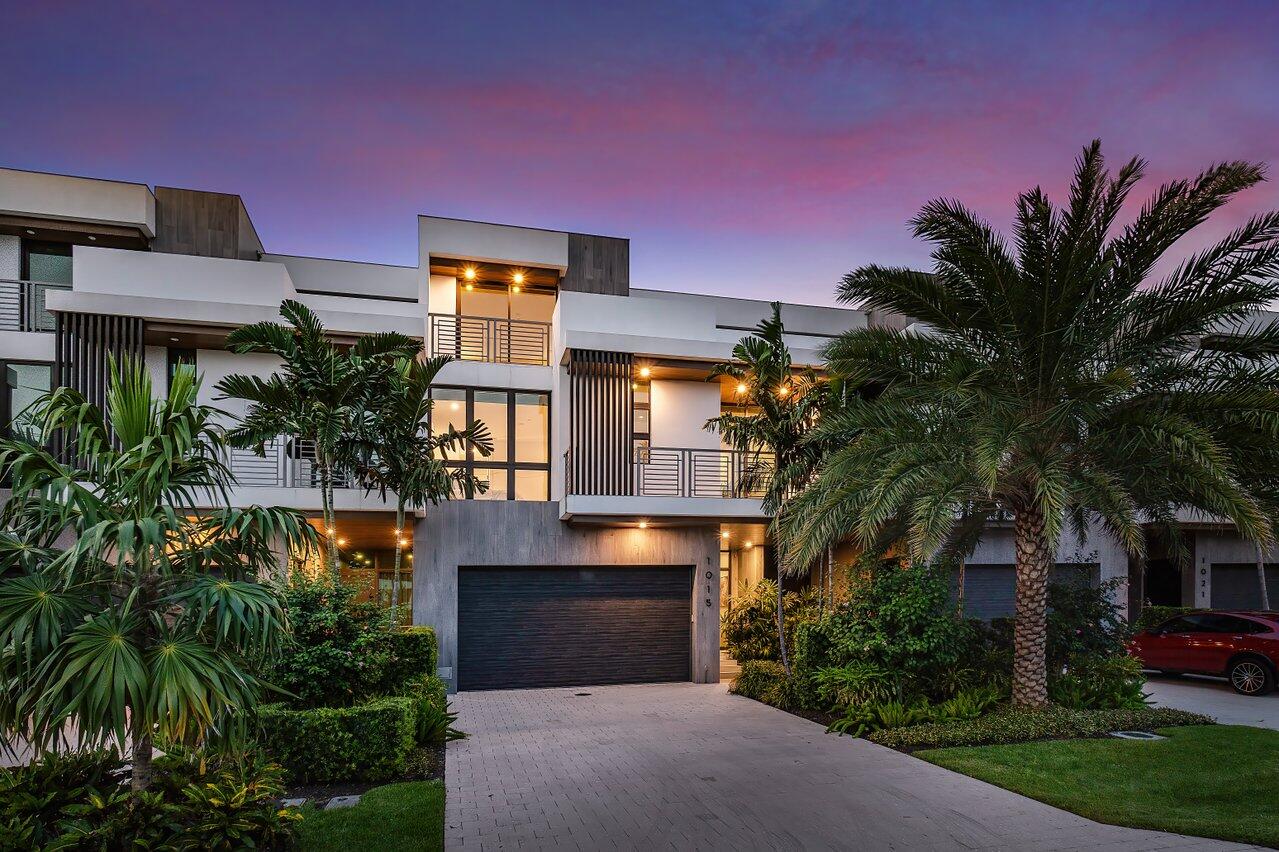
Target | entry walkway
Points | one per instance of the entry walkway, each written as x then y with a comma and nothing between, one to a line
688,766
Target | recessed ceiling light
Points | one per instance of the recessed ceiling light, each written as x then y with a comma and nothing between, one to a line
724,534
749,545
31,232
643,525
469,273
645,372
173,340
741,387
518,278
92,238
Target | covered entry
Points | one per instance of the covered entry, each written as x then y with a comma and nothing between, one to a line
571,626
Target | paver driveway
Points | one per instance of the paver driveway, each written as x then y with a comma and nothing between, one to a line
688,766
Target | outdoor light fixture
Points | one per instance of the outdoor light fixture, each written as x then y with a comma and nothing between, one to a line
645,372
173,340
469,273
30,232
741,387
518,278
330,531
341,542
643,525
724,534
749,545
783,390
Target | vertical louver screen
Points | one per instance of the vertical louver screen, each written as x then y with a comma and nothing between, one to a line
600,409
85,344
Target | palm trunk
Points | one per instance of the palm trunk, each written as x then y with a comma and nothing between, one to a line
830,575
330,524
395,583
781,627
141,735
1261,578
1030,633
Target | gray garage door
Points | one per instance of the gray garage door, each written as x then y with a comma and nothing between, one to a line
560,626
990,591
1235,586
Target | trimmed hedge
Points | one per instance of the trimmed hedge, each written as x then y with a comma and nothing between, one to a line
1152,615
766,681
367,742
1009,725
412,653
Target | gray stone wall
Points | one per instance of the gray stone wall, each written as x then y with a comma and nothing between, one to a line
10,257
520,533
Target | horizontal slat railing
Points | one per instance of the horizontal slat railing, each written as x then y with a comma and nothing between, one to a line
288,463
692,472
22,305
492,339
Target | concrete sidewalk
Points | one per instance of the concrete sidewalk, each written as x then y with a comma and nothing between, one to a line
687,766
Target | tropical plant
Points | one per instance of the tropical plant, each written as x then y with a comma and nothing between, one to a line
1053,383
781,407
854,683
749,624
435,723
155,621
324,394
402,455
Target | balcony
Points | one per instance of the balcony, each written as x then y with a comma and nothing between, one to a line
287,464
491,339
686,472
22,305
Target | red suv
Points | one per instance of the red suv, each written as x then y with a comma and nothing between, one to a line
1242,646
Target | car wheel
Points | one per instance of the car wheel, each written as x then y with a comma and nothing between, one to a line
1251,676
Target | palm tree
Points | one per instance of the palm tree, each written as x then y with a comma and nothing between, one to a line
784,405
323,395
154,622
1053,383
404,457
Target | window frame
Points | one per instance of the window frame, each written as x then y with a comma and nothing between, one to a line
472,462
41,247
6,414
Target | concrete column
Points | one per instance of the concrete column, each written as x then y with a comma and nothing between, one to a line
704,664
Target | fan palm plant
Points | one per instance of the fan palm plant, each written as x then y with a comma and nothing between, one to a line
782,406
154,620
404,457
323,395
1055,384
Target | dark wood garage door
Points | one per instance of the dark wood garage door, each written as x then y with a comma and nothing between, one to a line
1237,586
527,627
990,591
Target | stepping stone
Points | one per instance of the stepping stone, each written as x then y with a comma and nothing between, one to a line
293,803
342,802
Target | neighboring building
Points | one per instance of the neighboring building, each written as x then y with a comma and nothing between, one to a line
612,532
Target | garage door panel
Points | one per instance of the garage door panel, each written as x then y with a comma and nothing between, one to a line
526,627
1236,586
990,590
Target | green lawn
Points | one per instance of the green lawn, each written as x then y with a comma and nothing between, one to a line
407,816
1212,781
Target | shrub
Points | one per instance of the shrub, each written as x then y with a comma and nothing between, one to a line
1152,615
1095,682
766,681
1012,725
855,683
862,719
900,620
750,622
1082,620
411,654
367,742
81,801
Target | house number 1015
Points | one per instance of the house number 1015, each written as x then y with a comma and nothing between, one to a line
709,577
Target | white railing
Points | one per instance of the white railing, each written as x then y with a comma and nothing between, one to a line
22,305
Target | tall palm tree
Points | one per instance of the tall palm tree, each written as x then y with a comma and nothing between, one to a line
154,621
404,457
323,394
1054,383
783,406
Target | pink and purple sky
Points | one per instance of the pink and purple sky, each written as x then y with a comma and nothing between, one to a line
746,148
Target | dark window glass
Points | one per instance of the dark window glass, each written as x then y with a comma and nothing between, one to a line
519,425
1232,624
1183,624
24,384
46,262
177,357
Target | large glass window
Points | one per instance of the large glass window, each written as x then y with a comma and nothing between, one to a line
24,383
501,301
46,262
520,426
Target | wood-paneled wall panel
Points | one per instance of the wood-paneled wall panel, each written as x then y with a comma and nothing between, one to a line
598,265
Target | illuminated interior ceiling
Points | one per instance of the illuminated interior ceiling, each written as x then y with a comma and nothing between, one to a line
530,277
739,534
362,531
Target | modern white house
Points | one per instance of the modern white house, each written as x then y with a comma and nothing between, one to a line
613,530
